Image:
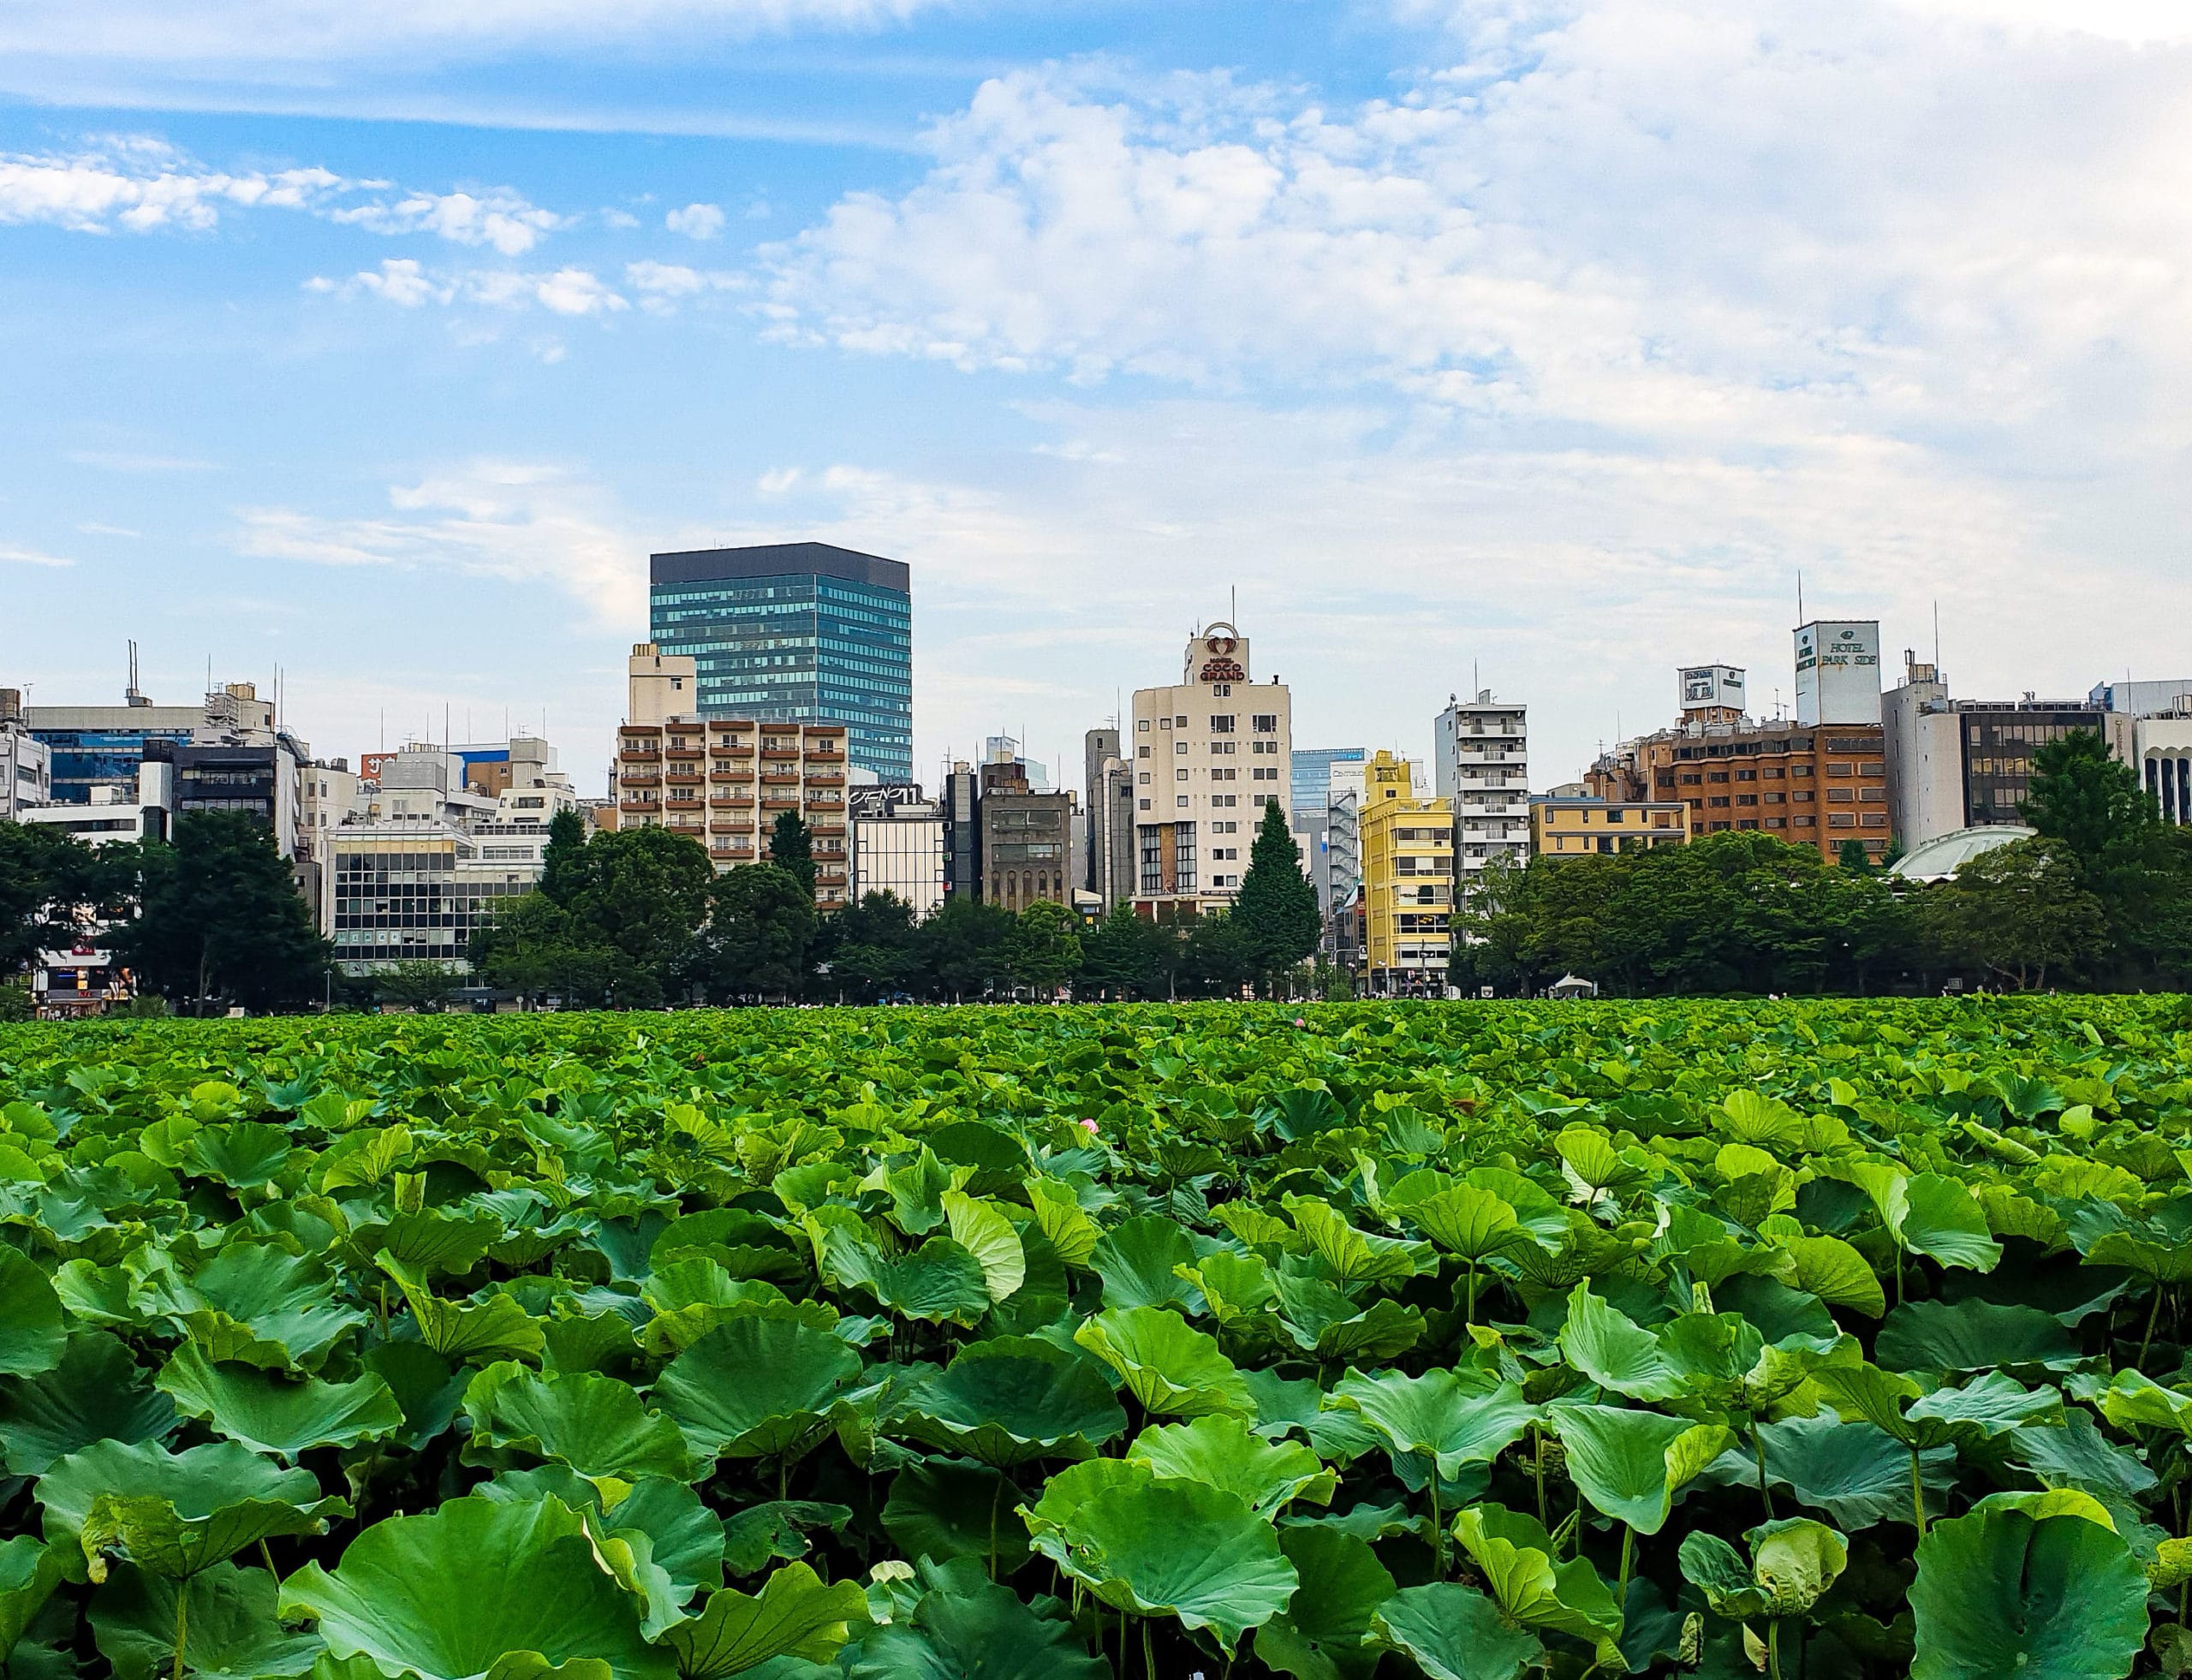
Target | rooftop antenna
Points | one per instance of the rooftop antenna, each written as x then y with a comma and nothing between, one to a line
1800,596
1937,639
1233,605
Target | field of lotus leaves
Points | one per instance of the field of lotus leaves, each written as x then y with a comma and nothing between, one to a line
1815,1339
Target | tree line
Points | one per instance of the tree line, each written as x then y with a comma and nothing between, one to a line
2100,899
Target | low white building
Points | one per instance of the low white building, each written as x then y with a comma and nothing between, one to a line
26,762
416,889
897,847
2162,750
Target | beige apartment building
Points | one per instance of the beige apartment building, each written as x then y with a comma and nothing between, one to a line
1208,753
724,781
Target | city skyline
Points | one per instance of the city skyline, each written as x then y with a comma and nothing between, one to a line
1550,343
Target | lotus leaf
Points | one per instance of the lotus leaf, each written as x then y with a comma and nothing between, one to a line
1454,1633
176,1514
756,1388
1139,1261
1154,1547
1012,1399
29,1571
595,1424
1167,1364
97,1392
230,1629
1631,1465
794,1615
1320,1634
1999,1591
1449,1418
1220,1452
1517,1556
963,1628
490,1328
258,1304
452,1593
31,1339
270,1412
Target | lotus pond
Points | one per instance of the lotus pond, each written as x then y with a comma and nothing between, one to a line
1815,1339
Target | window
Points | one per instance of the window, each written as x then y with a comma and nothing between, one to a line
1716,776
1164,723
1179,775
1840,770
1142,804
1265,723
1223,690
1143,778
1143,750
1221,722
1181,801
1181,720
1718,800
1746,775
1143,726
1180,748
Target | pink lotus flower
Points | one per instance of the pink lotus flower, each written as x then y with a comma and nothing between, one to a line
1298,1021
1088,1126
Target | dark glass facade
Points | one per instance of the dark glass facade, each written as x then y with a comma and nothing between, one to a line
88,759
797,631
1999,743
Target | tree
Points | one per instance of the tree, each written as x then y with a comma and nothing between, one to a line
643,894
2018,914
962,946
421,985
871,947
1217,957
1852,856
791,848
2083,797
563,863
1126,955
1275,911
49,883
758,935
1043,950
221,917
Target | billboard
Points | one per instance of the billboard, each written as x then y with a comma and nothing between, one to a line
1838,671
1704,687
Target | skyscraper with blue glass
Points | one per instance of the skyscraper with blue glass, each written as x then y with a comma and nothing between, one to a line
800,631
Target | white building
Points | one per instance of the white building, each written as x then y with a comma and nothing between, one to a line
897,846
2162,750
2145,698
417,890
1481,762
1209,752
26,762
1838,671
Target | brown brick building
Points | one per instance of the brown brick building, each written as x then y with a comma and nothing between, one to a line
1809,784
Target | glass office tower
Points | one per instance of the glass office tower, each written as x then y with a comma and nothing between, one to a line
799,631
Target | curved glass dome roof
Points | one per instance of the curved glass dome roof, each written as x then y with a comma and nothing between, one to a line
1940,857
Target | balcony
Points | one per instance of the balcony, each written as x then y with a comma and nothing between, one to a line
644,778
688,775
780,801
730,801
638,806
825,755
788,753
825,778
676,803
639,755
692,752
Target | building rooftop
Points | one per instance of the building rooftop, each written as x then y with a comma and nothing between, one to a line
705,565
1943,855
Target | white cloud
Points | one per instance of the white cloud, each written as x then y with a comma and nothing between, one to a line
139,185
518,521
696,221
409,285
30,556
236,34
93,528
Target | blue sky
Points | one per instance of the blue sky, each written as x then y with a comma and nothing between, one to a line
1544,339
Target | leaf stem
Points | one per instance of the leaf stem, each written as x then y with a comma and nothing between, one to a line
1774,1646
1437,1527
2146,1341
1537,1435
1917,1493
181,1620
1628,1557
1758,1446
996,1494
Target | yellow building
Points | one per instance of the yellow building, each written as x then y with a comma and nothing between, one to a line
1587,827
1408,881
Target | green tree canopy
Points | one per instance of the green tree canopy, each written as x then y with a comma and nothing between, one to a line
759,935
50,883
791,848
2020,914
1043,950
962,946
221,917
1275,911
2085,798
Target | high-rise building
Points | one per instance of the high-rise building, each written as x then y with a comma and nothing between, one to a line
1209,752
897,845
724,781
1956,764
1026,839
1482,766
795,632
1408,882
1321,788
1109,781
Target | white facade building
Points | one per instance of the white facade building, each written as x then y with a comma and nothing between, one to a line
897,847
1481,762
2162,750
26,762
1838,671
1209,752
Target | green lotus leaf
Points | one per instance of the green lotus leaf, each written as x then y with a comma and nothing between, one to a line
1452,1418
940,1281
427,1242
1221,1452
1613,1350
1517,1556
1063,1221
595,1424
686,1540
1795,1560
244,1156
91,1294
1233,1286
32,1338
2079,1456
1356,1256
1971,1336
1320,1634
948,1508
964,1627
1982,1410
916,1190
1454,1633
2133,1399
477,1588
1156,1547
1168,1364
1468,1222
794,1615
1631,1464
272,1413
29,1571
428,1387
1936,1216
756,1388
755,1536
981,1228
230,1631
692,1296
1012,1399
176,1513
1855,1472
495,1326
258,1304
96,1393
1718,1570
1321,1319
1998,1592
1837,1274
1140,1261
